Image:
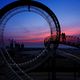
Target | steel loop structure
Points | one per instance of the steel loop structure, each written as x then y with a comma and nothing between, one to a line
17,7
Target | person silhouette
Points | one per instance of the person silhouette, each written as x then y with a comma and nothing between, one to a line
63,37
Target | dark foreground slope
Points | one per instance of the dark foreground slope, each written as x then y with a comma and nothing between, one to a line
66,66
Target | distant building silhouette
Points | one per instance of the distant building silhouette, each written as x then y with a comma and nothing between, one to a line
11,44
22,46
17,46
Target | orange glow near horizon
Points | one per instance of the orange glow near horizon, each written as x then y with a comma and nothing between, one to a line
32,38
38,37
72,31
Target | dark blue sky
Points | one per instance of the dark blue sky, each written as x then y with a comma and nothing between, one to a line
67,12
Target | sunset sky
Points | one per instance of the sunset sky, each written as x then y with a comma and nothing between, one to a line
67,12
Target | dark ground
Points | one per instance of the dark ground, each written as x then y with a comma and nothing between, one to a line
67,68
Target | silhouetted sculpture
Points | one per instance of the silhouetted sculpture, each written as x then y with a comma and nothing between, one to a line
50,43
63,37
11,51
